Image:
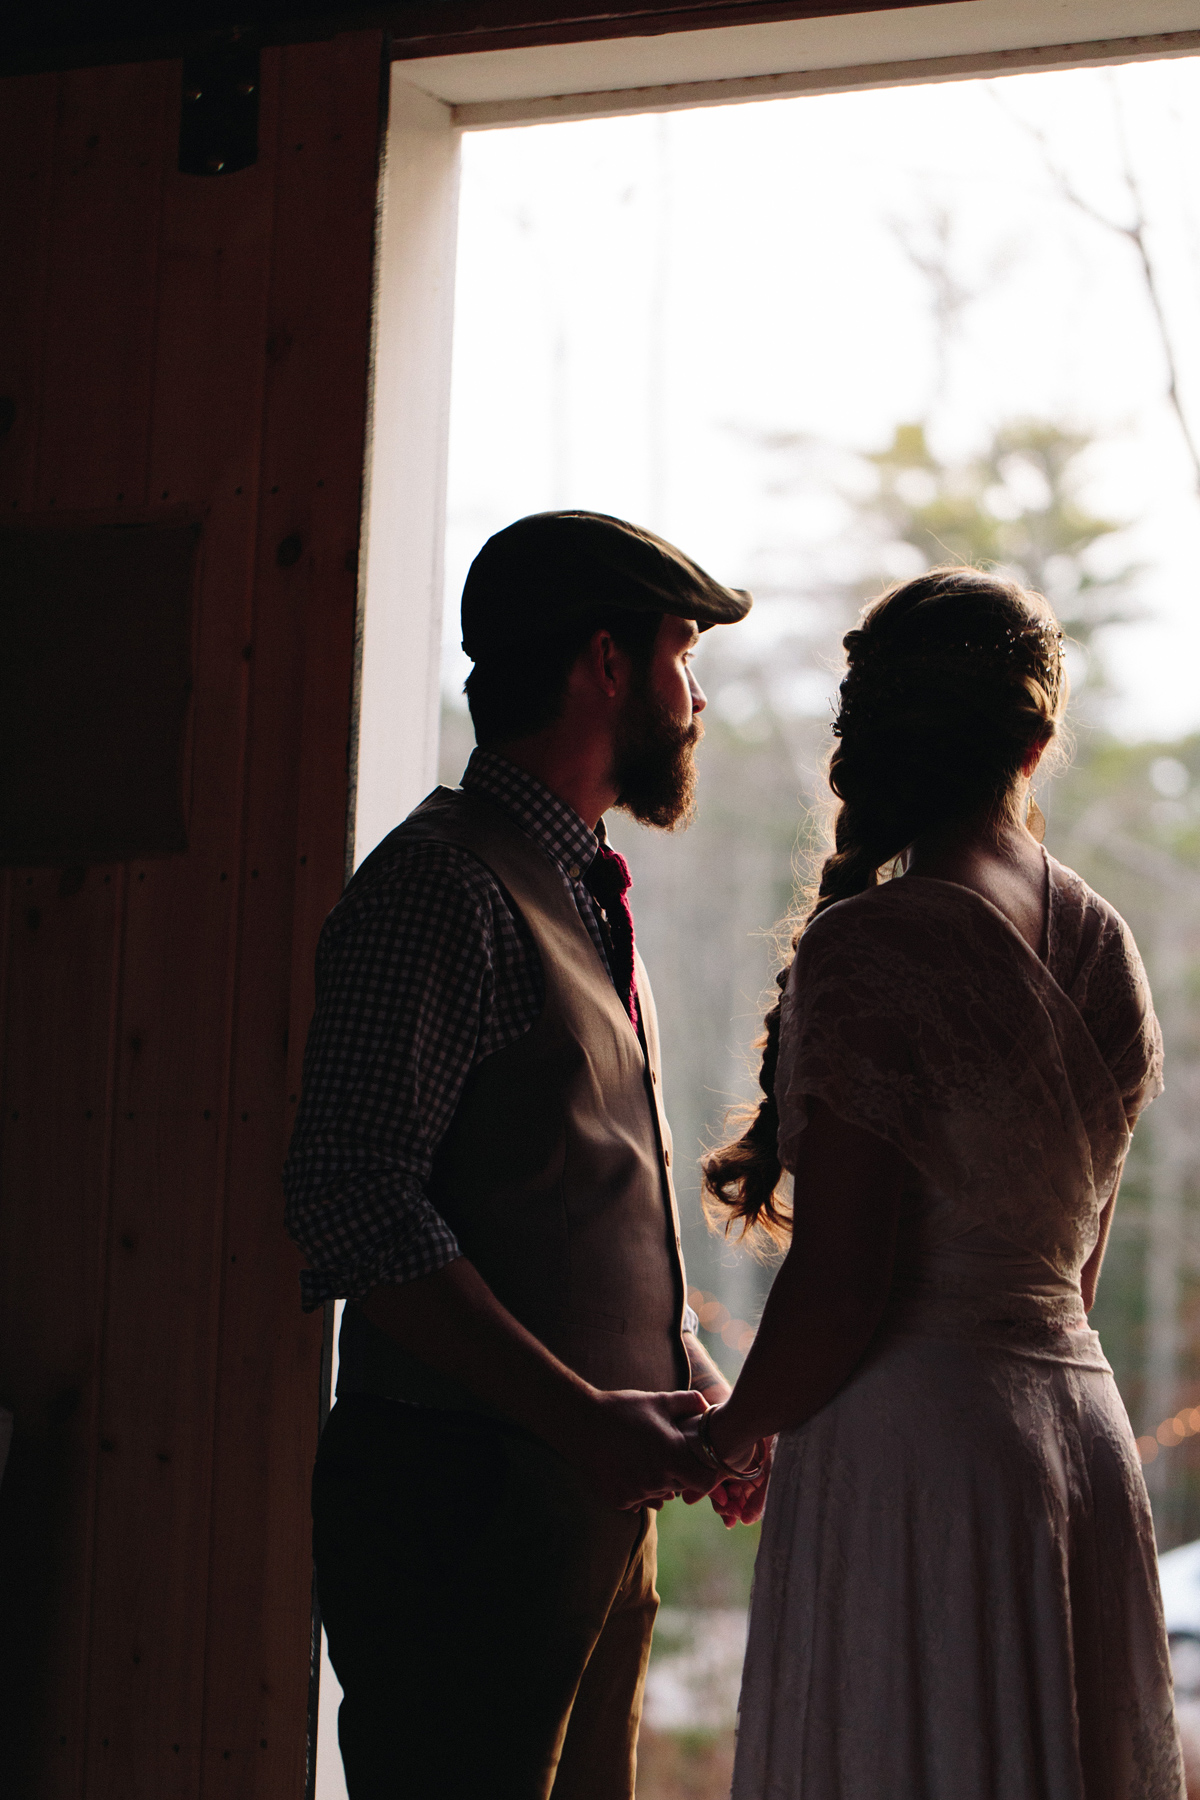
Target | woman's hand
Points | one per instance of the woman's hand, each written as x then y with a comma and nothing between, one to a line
737,1502
742,1502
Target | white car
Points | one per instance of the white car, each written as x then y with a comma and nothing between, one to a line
1179,1575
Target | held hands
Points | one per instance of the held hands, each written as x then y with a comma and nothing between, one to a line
632,1446
738,1501
641,1449
733,1498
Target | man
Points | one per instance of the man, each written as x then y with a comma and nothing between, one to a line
482,1166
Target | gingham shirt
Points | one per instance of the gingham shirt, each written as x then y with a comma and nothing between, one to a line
423,969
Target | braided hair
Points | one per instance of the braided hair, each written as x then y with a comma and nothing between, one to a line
952,680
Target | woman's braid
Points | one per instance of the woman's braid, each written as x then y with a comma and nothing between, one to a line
951,680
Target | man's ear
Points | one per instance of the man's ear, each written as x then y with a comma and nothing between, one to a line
613,661
605,664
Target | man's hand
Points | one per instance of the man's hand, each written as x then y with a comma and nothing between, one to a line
629,1446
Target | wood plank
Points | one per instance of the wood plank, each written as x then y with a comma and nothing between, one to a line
96,382
28,117
56,1100
63,955
206,358
324,774
70,38
460,27
304,623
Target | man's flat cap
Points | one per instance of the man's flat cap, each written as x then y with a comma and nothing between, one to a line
546,573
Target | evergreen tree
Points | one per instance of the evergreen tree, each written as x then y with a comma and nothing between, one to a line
1014,507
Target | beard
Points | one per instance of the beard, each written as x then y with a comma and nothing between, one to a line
654,764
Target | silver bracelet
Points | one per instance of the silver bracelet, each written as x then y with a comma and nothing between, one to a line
715,1460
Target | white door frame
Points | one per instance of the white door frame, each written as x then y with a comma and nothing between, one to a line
434,99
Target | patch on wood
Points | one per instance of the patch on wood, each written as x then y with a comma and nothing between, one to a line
95,682
218,123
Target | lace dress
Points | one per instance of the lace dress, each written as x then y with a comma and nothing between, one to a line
956,1595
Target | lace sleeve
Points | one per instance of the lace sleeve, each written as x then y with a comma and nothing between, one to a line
916,1012
1120,1016
1093,954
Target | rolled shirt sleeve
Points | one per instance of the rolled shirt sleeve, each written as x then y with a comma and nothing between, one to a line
422,970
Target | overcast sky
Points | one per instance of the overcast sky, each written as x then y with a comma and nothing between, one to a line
639,300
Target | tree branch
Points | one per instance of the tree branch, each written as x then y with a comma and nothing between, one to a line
1135,233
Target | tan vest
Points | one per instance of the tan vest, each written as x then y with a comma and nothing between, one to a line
555,1173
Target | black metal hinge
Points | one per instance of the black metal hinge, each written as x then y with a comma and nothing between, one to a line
218,126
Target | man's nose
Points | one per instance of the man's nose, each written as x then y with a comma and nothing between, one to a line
699,699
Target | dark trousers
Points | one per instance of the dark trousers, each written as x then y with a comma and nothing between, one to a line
488,1619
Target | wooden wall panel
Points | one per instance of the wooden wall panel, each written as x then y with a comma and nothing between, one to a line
27,130
178,999
199,349
62,962
95,389
62,990
305,603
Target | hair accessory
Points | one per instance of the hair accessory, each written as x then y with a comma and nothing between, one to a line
715,1460
887,680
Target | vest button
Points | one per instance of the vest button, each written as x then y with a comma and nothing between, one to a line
667,1158
573,871
654,1076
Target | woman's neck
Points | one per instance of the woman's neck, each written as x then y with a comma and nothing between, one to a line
998,858
964,843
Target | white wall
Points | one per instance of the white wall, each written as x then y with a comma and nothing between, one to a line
405,504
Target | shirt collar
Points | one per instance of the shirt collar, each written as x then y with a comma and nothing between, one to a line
553,825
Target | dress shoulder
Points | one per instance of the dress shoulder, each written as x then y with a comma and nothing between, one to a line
918,1012
881,1015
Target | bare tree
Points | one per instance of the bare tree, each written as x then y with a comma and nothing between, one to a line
1135,231
930,243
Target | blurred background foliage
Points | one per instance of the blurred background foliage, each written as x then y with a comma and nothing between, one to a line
700,1561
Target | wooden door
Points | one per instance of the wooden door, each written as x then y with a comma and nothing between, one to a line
177,348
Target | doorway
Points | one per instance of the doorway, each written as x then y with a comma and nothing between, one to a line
750,406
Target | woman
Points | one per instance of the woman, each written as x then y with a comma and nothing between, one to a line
956,1594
